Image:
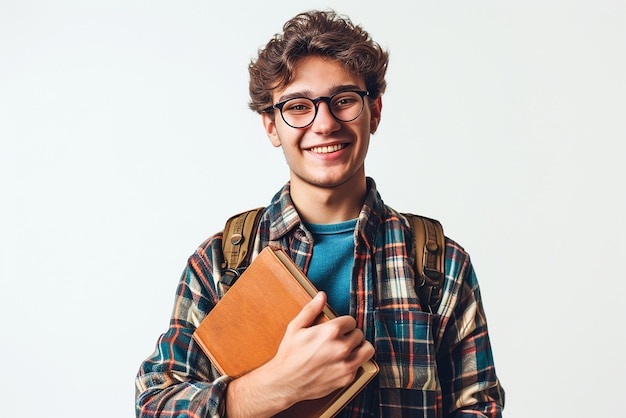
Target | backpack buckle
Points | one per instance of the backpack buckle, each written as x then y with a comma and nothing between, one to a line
230,276
422,280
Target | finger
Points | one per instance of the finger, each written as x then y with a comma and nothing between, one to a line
354,338
361,354
310,312
346,324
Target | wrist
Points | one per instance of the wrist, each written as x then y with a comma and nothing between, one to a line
256,394
222,384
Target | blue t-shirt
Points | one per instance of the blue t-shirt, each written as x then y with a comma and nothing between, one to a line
330,269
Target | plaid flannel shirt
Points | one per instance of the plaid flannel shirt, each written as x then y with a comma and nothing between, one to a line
431,365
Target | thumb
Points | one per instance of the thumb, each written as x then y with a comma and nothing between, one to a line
309,312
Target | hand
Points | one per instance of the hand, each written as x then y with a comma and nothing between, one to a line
311,362
319,359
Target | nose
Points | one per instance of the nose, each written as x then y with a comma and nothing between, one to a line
324,122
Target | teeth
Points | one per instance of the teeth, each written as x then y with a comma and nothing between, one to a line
328,149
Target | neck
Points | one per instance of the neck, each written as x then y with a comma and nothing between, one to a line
326,205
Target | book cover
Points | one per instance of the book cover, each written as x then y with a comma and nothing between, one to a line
245,328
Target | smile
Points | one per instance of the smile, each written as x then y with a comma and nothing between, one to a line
328,149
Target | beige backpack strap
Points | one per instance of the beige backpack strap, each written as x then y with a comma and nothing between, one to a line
237,242
430,247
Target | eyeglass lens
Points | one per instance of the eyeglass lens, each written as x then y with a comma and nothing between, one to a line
344,106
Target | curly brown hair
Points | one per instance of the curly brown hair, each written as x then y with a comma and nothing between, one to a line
320,33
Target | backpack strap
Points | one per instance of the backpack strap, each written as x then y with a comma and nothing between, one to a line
237,243
429,242
430,246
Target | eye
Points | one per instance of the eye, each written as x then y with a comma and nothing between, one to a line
347,99
298,106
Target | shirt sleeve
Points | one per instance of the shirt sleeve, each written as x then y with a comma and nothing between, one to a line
178,380
467,373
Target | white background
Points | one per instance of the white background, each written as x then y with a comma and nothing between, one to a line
125,141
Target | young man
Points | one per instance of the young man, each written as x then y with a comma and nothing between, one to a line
318,88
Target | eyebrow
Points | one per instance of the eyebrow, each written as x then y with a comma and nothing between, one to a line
307,93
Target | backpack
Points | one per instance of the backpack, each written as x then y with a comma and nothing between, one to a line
428,239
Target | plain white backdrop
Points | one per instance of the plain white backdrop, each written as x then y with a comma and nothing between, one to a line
125,141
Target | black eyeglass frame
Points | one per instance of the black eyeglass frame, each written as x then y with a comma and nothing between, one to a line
316,101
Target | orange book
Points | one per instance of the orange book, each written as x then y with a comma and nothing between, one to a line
243,331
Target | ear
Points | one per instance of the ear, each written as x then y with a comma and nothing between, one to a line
269,123
376,107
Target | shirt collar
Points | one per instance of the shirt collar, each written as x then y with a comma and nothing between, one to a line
282,214
284,217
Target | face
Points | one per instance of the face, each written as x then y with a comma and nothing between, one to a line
327,153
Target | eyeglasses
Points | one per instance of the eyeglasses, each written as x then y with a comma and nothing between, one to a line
300,112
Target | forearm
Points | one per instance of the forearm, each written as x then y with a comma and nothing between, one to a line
263,392
256,395
177,379
489,409
186,399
